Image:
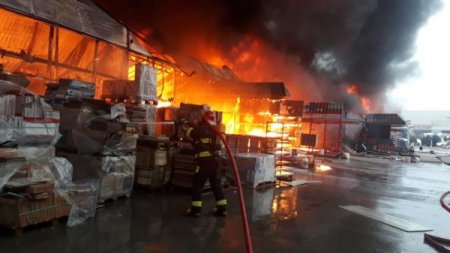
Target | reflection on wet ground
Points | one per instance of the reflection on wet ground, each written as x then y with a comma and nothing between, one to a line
283,219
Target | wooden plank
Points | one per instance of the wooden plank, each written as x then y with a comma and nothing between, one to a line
386,219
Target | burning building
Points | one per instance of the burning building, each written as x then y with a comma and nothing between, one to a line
236,57
56,40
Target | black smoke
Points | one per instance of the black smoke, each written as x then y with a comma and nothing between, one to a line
366,42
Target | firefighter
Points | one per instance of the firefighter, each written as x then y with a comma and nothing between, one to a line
203,140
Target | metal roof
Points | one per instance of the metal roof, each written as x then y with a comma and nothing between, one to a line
264,90
78,15
385,119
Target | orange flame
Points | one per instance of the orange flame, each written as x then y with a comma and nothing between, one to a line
352,89
322,168
366,103
164,104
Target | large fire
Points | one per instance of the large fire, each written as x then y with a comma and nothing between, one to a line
251,60
364,101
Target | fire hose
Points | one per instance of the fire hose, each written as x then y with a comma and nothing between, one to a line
438,242
248,240
445,206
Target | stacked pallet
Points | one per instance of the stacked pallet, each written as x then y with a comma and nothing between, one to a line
184,168
256,169
25,118
152,162
29,188
144,116
67,88
29,201
100,144
142,88
117,177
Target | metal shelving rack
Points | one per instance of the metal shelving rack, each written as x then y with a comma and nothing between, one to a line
286,132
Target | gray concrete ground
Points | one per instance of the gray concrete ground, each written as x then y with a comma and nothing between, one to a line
303,219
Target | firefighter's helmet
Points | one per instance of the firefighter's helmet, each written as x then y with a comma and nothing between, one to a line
209,116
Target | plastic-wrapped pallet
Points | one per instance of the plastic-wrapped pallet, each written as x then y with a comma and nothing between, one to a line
81,195
152,162
143,87
143,115
118,177
145,83
28,130
25,119
255,169
7,170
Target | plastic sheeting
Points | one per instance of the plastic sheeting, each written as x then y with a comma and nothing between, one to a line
34,122
14,128
81,16
32,47
121,145
256,168
118,176
41,163
7,170
118,110
82,196
62,170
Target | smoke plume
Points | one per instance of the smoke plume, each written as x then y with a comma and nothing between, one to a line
313,44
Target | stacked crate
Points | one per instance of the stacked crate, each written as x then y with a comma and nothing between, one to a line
144,117
29,201
152,162
117,177
184,167
18,213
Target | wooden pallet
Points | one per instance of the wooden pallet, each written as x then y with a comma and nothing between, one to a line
19,213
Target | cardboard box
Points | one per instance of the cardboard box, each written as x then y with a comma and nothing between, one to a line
115,88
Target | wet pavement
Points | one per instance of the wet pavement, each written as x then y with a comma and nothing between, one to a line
302,219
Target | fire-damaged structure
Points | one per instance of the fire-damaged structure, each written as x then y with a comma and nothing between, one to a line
119,104
380,133
88,45
50,40
70,52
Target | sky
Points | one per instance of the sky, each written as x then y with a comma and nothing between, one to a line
429,89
